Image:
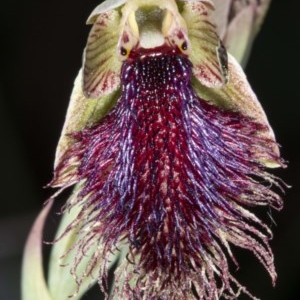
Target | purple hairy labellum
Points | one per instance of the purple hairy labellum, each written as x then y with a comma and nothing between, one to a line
171,166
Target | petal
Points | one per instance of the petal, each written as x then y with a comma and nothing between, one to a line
239,36
82,112
221,15
101,65
61,280
104,7
34,286
207,54
238,95
244,24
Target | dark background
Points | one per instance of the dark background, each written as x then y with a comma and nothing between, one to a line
40,54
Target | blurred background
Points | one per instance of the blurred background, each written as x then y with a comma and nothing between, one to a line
40,55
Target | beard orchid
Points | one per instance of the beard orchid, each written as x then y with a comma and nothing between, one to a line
168,147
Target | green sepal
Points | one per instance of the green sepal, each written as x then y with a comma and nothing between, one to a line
33,284
67,276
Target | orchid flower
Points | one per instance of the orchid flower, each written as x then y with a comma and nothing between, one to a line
168,149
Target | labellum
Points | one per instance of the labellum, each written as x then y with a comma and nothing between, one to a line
168,146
